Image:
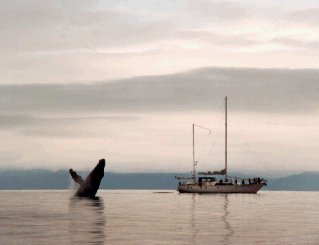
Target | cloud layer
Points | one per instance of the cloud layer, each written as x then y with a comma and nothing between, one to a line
262,90
144,123
82,80
72,41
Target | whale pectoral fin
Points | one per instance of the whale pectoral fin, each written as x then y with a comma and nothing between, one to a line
77,178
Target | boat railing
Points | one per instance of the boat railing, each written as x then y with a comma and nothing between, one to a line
228,180
183,177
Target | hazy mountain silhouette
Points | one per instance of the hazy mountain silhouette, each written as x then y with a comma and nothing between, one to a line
307,181
46,179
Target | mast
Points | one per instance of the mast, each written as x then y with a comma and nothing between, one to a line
226,136
194,161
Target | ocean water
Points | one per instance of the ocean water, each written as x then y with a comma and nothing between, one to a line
158,217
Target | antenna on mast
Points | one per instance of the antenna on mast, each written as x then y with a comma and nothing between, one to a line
194,161
226,136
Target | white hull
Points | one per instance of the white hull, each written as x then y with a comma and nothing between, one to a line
195,188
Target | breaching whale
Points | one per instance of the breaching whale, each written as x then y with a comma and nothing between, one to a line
91,184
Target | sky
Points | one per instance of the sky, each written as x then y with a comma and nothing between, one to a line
125,80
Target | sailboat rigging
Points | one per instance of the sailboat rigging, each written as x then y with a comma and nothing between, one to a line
206,182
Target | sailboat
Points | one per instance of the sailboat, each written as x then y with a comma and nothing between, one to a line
208,182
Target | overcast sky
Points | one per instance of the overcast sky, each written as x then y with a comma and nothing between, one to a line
124,80
85,41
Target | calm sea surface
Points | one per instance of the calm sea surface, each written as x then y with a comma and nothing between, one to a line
150,217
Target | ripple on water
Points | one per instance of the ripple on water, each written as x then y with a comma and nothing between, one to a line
142,217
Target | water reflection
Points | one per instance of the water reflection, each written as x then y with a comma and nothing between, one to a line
209,219
193,219
87,221
139,217
225,218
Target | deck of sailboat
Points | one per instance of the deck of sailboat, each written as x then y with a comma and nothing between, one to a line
211,185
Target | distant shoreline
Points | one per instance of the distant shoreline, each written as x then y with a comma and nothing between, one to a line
60,180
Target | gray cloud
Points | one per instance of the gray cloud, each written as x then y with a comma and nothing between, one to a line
57,125
60,26
69,41
298,44
60,42
309,16
263,90
36,26
71,25
13,121
65,40
146,121
220,39
224,11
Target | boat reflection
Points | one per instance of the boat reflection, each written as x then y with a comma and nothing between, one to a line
210,221
225,218
195,230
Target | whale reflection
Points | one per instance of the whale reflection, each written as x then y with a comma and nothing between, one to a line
87,220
